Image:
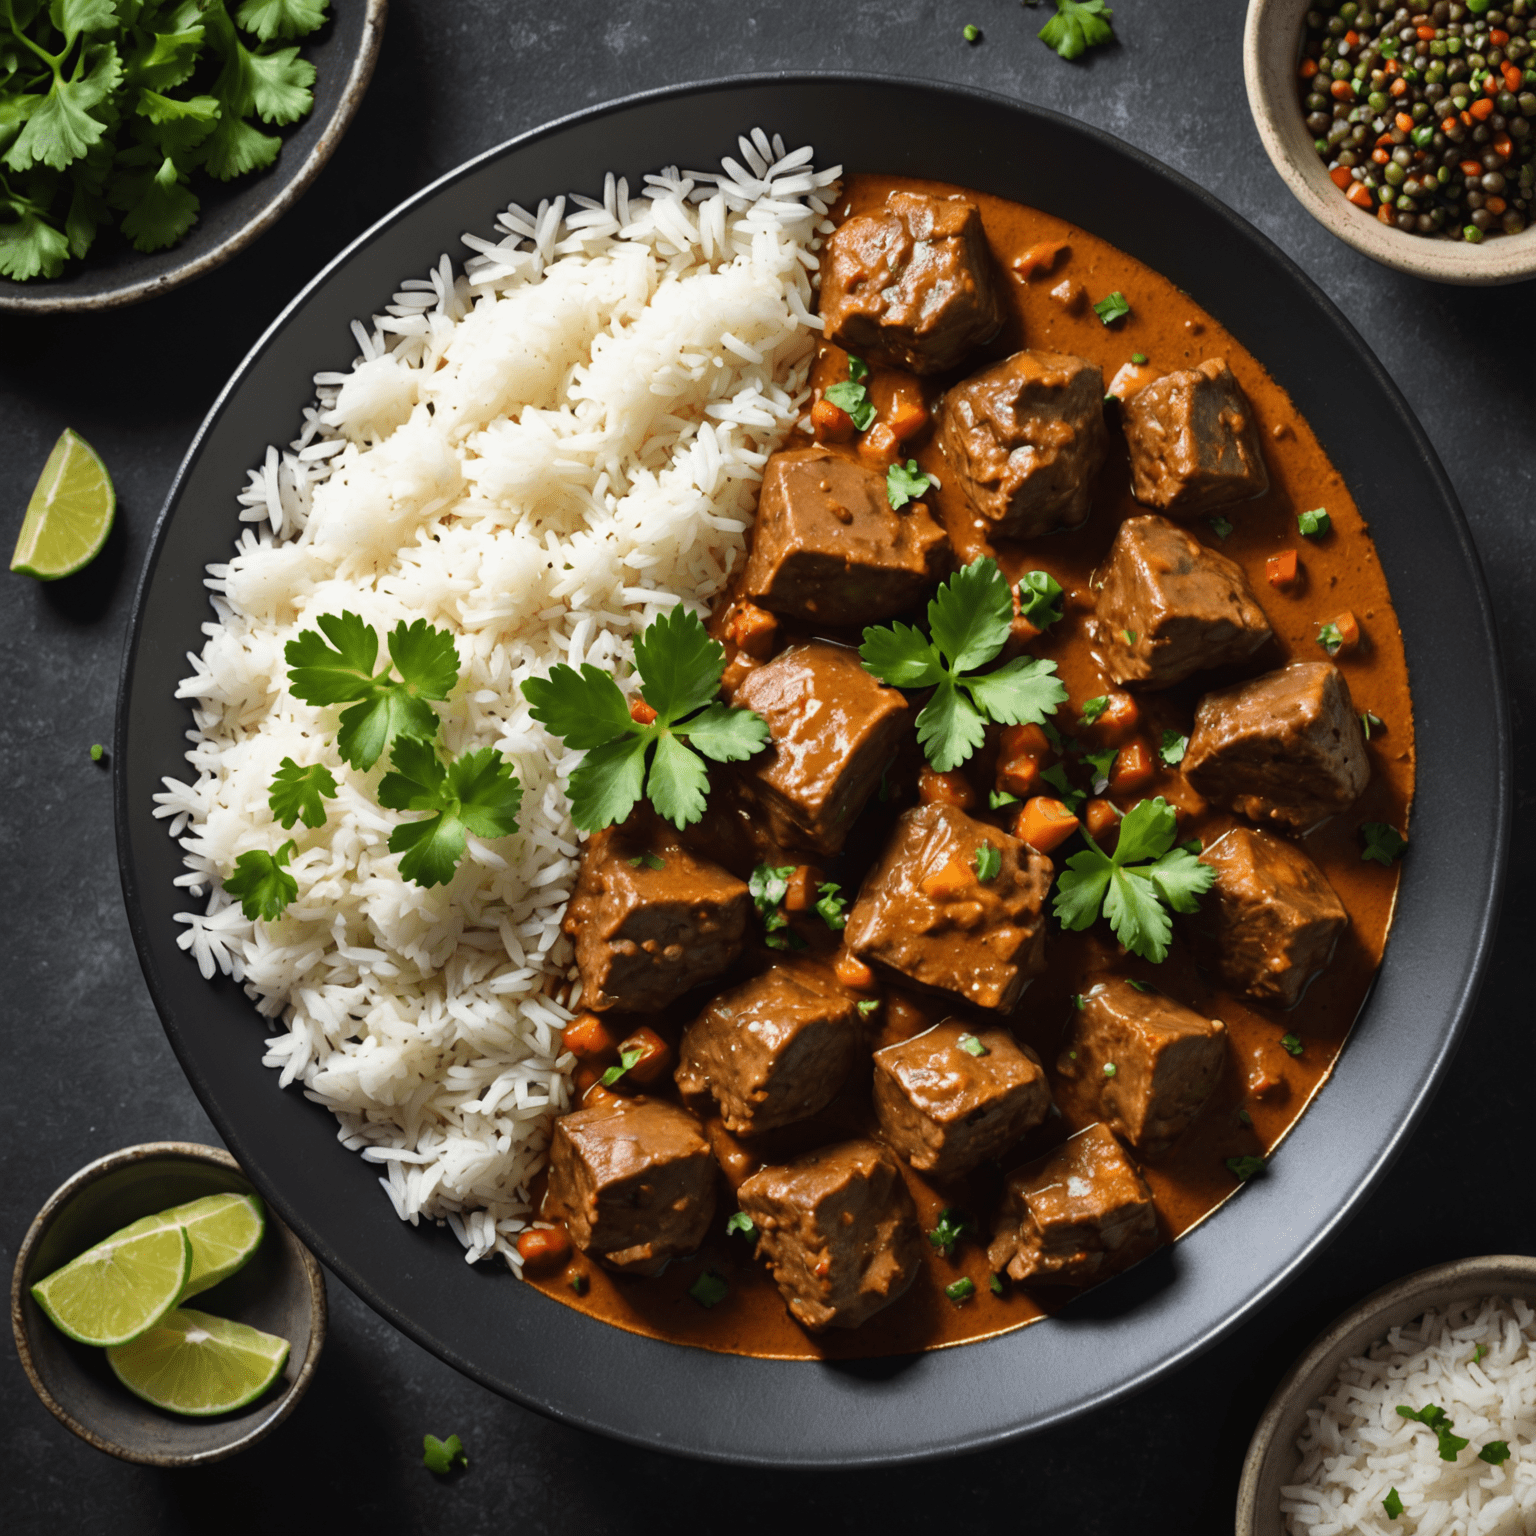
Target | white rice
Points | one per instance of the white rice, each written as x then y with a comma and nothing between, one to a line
538,452
1357,1447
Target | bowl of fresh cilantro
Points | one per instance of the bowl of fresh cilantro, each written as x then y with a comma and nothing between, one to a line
145,142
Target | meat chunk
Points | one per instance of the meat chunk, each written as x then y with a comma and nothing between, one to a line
911,286
1025,440
839,1232
650,919
1270,922
833,728
1286,747
948,1107
1194,442
775,1049
634,1183
1145,1063
925,914
1076,1215
827,547
1167,606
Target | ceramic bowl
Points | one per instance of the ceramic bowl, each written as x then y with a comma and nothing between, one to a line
233,214
1271,49
281,1290
1272,1454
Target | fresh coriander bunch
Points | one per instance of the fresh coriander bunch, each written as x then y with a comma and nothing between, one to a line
969,621
115,105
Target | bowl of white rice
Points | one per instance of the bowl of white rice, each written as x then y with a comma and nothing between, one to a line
1352,1440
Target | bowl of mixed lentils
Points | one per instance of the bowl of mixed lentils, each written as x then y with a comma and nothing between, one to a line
1408,130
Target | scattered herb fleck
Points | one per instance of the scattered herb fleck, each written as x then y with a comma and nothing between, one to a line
1370,724
742,1223
1103,764
299,794
904,484
998,798
1130,636
1173,748
1244,1118
1140,986
850,395
1243,1168
972,1046
867,1005
1314,524
1220,527
442,1456
832,909
972,34
1139,358
1040,598
1110,1069
769,886
648,861
1077,26
1495,1453
1434,1417
1478,1353
989,861
1092,709
1393,1504
261,882
1330,639
962,1290
98,752
1383,844
1292,1044
1113,306
578,1283
709,1290
948,1232
627,1059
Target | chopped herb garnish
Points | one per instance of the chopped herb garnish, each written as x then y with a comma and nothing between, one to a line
680,669
1092,709
1383,844
1370,723
1292,1044
989,861
477,792
1115,306
998,798
1077,26
905,484
98,752
1220,527
1194,846
972,1046
1077,1002
969,620
1393,1504
1040,598
384,709
1244,1118
1243,1168
578,1283
1173,748
858,369
648,861
1478,1353
627,1059
962,1290
1139,358
1495,1453
1434,1417
972,34
442,1456
995,1283
1102,764
867,1006
1130,636
1330,639
1314,524
709,1290
850,395
1140,986
1135,885
1110,1069
832,909
1056,777
261,882
742,1223
947,1233
769,886
299,794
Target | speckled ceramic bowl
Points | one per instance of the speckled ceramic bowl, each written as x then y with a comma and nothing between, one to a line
1271,49
1272,1454
281,1290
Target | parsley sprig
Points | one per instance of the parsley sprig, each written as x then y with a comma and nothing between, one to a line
1077,26
969,620
299,794
852,396
1434,1417
680,669
769,885
261,883
442,1456
1134,886
476,792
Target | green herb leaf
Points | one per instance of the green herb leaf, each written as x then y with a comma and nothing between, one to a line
1077,26
578,1283
1244,1168
867,1006
299,794
972,1046
1092,709
626,1060
1173,748
832,908
854,399
905,484
586,709
1220,527
1314,524
1110,1069
742,1223
951,1227
1040,599
1330,639
1370,724
1292,1044
1434,1417
1384,844
858,369
971,615
1112,307
477,792
1478,1353
996,1285
769,886
1393,1504
442,1456
998,798
1103,764
284,19
648,861
1244,1118
962,1290
29,245
988,862
709,1290
261,883
1056,777
1139,358
1495,1453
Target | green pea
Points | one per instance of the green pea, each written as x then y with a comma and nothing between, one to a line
1472,235
1377,101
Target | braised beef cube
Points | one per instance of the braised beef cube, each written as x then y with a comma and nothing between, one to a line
925,914
1074,1216
828,548
959,1093
1168,606
1194,442
833,728
773,1050
1145,1064
1286,747
838,1230
650,919
912,285
1025,439
634,1183
1270,922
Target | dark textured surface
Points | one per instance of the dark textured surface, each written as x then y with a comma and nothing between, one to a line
455,77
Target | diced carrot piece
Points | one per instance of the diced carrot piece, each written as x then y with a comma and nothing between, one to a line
906,418
587,1038
1351,37
1359,194
1101,818
1392,67
1398,87
641,712
1039,259
1470,167
1384,215
800,896
1498,37
1495,206
1404,122
1466,119
655,1054
752,629
1482,109
952,788
1025,741
1448,123
1340,177
1514,77
1493,85
1344,90
1426,31
1380,156
879,445
598,1097
1348,627
1019,776
1281,570
1044,824
953,880
1024,748
831,423
853,973
1133,769
1118,722
1503,145
543,1248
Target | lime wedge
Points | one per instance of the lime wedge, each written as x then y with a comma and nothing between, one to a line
122,1286
70,514
197,1364
225,1231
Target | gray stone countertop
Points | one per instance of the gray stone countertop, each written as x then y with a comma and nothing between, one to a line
88,1068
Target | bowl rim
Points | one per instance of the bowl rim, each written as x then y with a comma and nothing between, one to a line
1387,1299
1267,73
135,291
57,1201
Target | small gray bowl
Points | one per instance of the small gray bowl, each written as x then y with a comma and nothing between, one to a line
1272,1455
1271,51
281,1291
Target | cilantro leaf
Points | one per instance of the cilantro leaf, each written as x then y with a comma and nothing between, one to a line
901,656
905,484
1173,748
1495,1453
299,794
1314,524
950,728
261,882
854,399
971,614
607,782
1384,844
427,659
627,1059
1077,26
1103,764
1136,917
332,674
1180,879
769,885
235,148
1056,777
740,1222
478,792
160,207
1040,598
280,85
832,909
988,861
1292,1044
1393,1504
678,781
61,128
281,18
678,663
165,59
587,708
951,1227
1022,692
29,245
726,735
1092,709
1434,1417
1081,890
442,1456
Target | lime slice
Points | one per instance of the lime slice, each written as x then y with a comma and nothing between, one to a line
122,1286
197,1364
225,1231
70,514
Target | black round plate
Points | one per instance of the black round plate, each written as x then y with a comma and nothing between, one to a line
1122,1335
